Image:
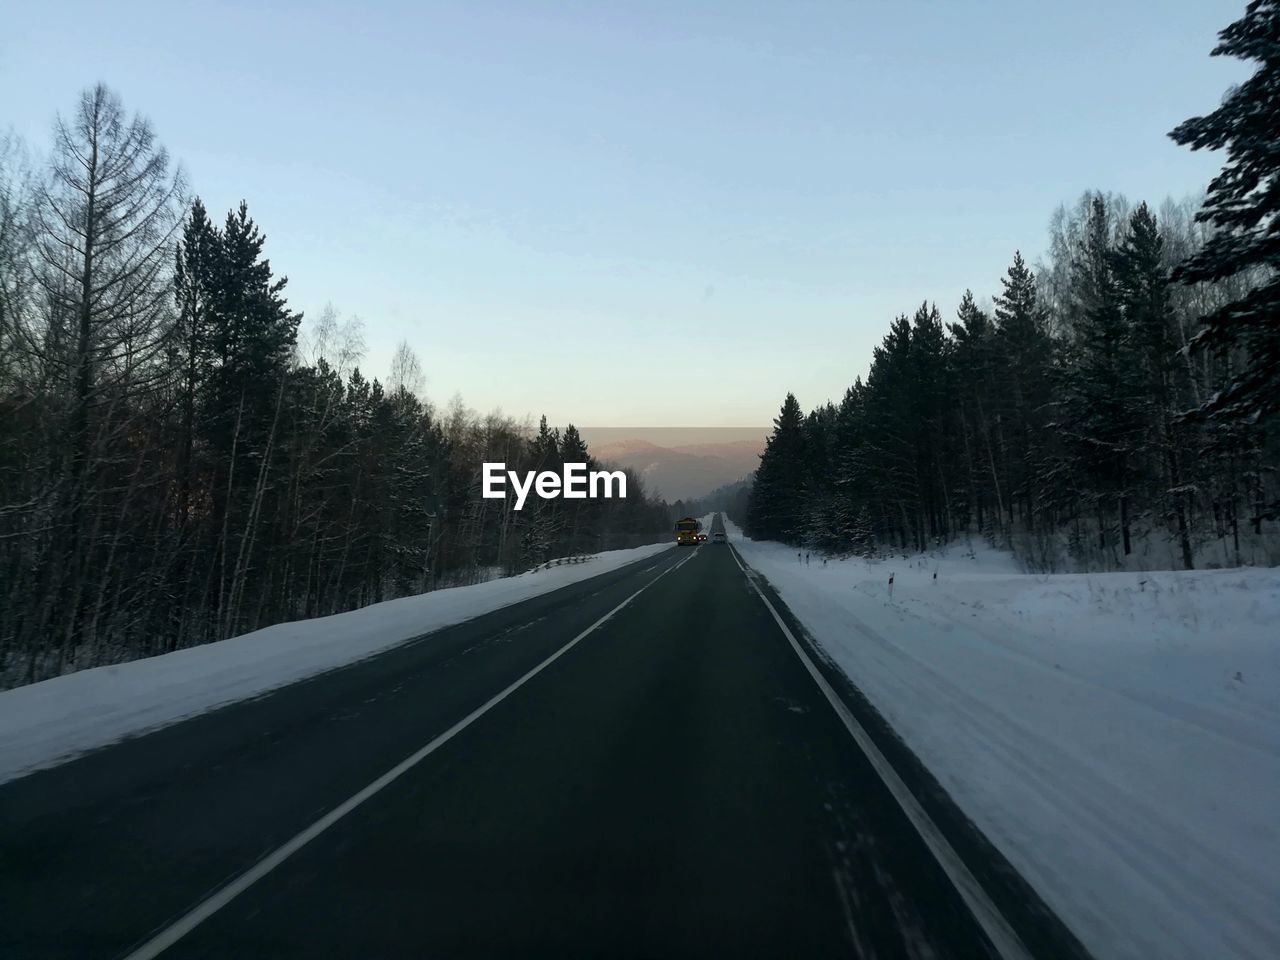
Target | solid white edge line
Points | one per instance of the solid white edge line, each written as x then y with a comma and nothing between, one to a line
1002,936
207,908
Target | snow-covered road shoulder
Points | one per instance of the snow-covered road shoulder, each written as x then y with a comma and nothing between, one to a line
46,723
1117,736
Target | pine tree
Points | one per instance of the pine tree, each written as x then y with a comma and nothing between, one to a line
1102,388
821,509
776,510
255,330
252,335
581,513
887,458
194,289
1243,203
573,449
1025,354
1142,284
972,356
931,417
546,447
848,481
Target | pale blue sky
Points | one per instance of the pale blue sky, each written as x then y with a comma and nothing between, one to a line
666,213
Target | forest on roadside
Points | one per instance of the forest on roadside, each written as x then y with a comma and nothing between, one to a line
178,464
1116,407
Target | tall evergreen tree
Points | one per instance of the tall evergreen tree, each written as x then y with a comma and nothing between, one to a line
1142,284
887,458
195,285
1025,355
849,482
972,359
821,522
254,329
251,340
1243,203
776,510
546,447
580,518
1102,399
573,449
931,410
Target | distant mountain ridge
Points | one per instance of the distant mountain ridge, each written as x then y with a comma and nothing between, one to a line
682,471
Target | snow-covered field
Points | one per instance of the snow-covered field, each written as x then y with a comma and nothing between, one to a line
1117,736
45,723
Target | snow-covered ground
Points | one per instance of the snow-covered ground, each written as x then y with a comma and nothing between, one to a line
1117,736
46,723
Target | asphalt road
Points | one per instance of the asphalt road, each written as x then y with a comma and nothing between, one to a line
674,784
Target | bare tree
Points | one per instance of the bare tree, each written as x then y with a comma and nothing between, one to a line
406,371
338,342
105,224
15,251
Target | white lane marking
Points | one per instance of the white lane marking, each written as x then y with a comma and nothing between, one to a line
203,911
1002,936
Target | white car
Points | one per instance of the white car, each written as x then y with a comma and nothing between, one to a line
718,537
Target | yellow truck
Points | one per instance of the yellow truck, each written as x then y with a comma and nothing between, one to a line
687,532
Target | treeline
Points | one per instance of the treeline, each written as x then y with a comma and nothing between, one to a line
1122,400
175,468
1063,422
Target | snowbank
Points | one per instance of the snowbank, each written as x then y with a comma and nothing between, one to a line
1117,736
45,723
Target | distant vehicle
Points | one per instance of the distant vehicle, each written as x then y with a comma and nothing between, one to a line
718,537
687,532
702,538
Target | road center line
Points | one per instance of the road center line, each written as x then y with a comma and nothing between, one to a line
1002,936
207,908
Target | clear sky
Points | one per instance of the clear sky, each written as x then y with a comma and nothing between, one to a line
663,213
